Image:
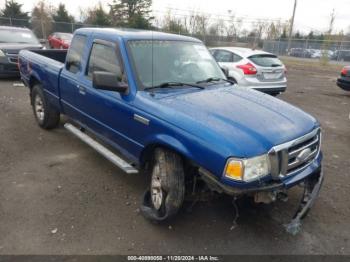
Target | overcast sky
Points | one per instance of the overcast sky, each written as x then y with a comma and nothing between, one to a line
311,14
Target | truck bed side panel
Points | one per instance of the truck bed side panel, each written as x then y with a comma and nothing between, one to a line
36,67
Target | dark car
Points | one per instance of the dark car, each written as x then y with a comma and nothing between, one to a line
12,40
300,52
344,80
341,55
60,40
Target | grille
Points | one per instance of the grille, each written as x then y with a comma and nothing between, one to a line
293,156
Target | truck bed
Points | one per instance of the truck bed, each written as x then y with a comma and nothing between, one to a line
45,67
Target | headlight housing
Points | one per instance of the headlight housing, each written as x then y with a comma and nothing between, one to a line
2,53
249,169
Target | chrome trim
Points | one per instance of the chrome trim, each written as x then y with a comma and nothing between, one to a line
280,156
141,119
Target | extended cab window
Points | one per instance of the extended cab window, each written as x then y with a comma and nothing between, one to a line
73,63
103,58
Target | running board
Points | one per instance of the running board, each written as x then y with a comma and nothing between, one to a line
116,160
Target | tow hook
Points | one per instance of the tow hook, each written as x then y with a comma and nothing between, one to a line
312,188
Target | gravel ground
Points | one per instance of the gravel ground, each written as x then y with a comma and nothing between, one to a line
58,196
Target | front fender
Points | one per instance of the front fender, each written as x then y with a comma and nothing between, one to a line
167,141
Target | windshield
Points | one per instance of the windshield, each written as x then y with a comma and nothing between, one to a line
18,36
266,60
160,61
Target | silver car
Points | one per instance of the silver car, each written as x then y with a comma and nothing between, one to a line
252,68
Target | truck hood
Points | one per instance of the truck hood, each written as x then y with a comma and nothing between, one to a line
16,47
248,122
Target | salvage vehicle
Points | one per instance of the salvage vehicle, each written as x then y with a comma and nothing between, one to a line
59,40
159,104
254,69
344,80
12,40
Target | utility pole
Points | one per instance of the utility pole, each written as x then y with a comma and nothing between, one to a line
291,26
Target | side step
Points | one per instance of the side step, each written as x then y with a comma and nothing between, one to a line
127,168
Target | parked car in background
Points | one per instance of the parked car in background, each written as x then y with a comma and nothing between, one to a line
341,55
12,40
299,52
344,80
60,40
252,68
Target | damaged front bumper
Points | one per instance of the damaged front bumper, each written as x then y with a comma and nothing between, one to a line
312,185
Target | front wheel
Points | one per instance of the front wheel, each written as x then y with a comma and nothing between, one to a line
46,116
166,193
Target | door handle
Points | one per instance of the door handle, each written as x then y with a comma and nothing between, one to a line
81,89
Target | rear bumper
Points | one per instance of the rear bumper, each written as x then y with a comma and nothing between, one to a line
271,90
344,83
265,87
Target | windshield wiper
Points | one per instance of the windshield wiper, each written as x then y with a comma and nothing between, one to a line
215,79
276,65
173,84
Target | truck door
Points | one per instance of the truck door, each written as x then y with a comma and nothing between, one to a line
69,85
106,112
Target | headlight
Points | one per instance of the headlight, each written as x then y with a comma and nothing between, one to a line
2,53
247,169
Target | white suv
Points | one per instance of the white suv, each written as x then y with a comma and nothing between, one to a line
252,68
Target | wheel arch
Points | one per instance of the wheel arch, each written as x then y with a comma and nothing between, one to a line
166,142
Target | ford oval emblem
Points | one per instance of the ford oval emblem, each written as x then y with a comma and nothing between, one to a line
304,155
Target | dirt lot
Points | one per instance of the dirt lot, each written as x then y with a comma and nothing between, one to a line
57,196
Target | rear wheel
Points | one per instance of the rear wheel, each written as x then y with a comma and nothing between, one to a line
166,193
46,116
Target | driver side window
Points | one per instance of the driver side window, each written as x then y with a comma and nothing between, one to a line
103,58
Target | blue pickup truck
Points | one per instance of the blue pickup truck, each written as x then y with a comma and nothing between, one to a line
159,103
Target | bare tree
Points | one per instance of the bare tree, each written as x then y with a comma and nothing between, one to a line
42,19
328,40
198,24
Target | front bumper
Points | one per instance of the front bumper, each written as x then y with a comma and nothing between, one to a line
265,184
344,83
8,70
311,177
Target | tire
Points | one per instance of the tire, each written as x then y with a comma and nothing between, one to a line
46,116
166,193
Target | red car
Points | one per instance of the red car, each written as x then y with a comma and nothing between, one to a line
344,80
60,40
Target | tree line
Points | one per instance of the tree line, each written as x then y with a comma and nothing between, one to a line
45,18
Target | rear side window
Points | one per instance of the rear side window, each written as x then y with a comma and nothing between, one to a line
103,58
226,56
223,56
265,60
73,62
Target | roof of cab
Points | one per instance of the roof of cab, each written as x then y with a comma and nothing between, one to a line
136,34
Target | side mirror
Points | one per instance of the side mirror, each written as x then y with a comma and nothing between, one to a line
225,70
73,63
108,81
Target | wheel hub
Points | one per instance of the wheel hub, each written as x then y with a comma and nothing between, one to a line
156,191
39,108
